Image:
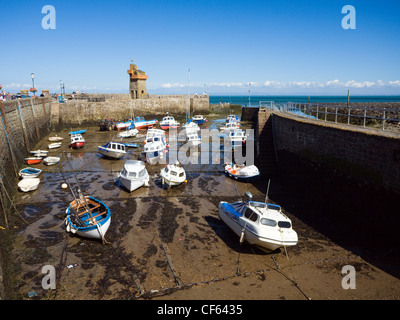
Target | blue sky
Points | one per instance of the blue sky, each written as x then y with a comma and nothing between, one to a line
231,47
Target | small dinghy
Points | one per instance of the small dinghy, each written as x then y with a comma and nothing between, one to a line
114,150
173,174
33,160
77,132
260,224
128,133
56,139
29,172
28,184
88,217
242,172
77,141
39,153
51,160
54,145
134,175
123,125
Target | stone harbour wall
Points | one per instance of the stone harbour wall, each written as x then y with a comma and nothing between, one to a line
77,112
371,155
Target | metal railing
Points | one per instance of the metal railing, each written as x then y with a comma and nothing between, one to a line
356,115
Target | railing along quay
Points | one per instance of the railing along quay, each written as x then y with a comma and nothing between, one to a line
357,115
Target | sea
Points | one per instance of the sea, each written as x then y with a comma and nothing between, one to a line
255,100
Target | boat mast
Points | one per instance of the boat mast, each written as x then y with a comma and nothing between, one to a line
188,99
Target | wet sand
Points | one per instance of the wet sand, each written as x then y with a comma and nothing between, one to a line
169,244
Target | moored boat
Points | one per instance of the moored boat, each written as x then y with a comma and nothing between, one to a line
232,117
237,137
77,141
141,124
155,146
113,150
88,217
39,153
169,122
134,175
28,184
77,132
54,145
56,139
173,174
199,119
128,133
29,172
193,139
231,126
242,172
260,224
51,160
123,125
33,160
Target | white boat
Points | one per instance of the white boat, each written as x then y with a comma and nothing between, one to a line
113,150
169,122
51,160
260,224
231,126
232,118
191,127
54,145
155,146
173,174
28,184
88,218
193,139
77,141
56,139
39,153
134,175
123,125
242,172
29,172
128,133
237,137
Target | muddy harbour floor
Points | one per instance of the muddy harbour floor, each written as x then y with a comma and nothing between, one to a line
169,244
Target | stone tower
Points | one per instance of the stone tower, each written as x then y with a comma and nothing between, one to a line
137,82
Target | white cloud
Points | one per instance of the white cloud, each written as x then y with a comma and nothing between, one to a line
172,85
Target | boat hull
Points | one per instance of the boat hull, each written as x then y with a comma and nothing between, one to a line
111,154
93,231
133,184
77,145
33,160
28,184
29,173
51,160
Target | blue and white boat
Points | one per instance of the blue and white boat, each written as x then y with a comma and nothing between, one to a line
237,137
77,132
232,117
29,172
199,119
113,150
258,223
88,217
141,124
